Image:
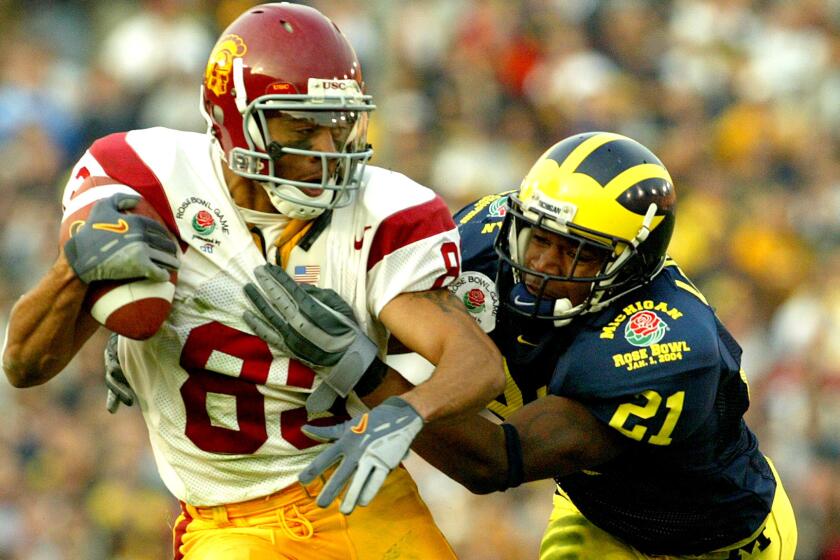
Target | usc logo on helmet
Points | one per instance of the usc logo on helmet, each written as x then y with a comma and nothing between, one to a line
220,64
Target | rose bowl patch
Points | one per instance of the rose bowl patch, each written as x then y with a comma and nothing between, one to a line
645,328
478,294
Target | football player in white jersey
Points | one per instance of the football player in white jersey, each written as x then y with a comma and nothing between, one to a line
281,177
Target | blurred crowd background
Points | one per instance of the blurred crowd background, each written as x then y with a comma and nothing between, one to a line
739,98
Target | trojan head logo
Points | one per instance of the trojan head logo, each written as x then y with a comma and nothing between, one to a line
220,65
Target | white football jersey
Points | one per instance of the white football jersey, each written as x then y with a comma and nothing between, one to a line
224,411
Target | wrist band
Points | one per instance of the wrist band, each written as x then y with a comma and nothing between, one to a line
513,446
371,378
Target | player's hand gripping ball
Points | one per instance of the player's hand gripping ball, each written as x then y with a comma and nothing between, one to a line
120,246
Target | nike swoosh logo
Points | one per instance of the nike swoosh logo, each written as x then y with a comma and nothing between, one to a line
518,301
75,227
361,426
521,340
120,227
357,243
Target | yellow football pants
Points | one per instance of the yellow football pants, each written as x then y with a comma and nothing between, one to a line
288,525
570,536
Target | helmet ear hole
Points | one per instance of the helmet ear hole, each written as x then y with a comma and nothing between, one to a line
218,114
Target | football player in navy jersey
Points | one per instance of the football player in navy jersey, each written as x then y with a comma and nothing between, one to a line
622,383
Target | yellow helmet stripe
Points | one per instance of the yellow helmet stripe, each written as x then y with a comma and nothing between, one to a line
634,175
604,214
583,151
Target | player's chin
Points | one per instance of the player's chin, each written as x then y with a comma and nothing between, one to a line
534,285
553,289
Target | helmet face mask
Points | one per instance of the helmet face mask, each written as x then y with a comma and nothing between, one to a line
340,169
289,61
610,199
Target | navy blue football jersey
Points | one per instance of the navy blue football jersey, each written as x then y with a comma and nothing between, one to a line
657,366
529,349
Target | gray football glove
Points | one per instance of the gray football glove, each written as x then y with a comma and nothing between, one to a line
369,447
318,328
119,390
114,245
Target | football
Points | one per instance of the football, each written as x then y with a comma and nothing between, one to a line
132,308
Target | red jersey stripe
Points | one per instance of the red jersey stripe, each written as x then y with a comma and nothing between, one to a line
121,162
178,533
408,226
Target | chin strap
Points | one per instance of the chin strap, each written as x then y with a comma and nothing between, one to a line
562,306
295,210
522,299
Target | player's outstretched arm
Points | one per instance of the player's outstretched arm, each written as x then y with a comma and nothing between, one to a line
468,372
468,375
319,329
552,436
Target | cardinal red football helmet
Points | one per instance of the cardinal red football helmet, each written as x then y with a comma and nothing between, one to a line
288,59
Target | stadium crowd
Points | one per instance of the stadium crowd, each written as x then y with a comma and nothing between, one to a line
739,98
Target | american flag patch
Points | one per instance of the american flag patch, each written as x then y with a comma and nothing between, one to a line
307,274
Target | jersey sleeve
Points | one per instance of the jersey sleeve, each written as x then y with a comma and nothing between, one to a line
651,371
112,166
413,249
478,224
